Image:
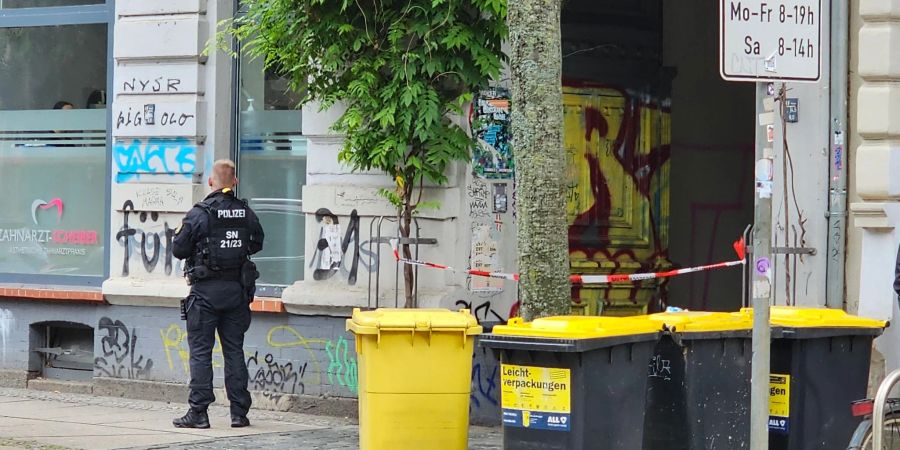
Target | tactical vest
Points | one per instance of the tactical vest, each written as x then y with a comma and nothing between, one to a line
226,245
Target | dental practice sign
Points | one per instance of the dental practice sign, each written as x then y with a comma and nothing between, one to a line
763,41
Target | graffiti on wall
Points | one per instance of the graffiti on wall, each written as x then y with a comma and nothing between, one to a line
274,376
158,197
168,156
170,119
270,370
485,232
174,339
146,85
483,312
485,374
145,235
477,198
288,337
119,358
342,365
618,148
331,254
489,120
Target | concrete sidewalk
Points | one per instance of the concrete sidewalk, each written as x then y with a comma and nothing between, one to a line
56,421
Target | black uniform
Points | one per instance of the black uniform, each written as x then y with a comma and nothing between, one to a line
897,274
216,238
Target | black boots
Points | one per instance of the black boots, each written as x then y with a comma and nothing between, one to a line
192,419
239,421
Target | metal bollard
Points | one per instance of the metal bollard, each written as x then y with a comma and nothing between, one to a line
878,414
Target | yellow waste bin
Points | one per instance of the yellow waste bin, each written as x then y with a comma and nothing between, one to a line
415,368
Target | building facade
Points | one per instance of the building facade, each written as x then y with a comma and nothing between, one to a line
875,114
112,113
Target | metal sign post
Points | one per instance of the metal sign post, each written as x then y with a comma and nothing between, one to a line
761,287
764,42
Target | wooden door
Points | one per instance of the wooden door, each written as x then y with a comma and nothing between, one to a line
617,145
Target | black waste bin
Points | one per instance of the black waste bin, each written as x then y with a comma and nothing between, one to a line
820,364
573,382
698,387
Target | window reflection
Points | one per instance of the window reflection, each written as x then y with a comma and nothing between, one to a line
264,89
272,166
71,67
53,146
13,4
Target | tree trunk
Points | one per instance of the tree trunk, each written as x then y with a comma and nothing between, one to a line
537,122
405,223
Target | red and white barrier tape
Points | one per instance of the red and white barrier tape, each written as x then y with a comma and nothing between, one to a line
584,279
623,278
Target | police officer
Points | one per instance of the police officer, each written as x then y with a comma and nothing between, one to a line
216,239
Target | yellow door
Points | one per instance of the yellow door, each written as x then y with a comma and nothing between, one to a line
617,145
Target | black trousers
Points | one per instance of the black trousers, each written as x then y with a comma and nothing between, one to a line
218,306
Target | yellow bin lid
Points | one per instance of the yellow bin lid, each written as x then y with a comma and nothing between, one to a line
577,327
789,316
422,320
702,321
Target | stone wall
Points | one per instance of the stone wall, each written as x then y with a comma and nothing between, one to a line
293,361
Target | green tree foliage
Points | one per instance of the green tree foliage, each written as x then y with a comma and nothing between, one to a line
401,68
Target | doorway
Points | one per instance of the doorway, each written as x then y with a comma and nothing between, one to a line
660,154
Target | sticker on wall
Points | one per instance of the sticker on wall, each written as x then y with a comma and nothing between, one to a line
764,189
762,266
770,133
764,169
150,114
492,157
779,403
762,288
485,257
500,199
536,397
792,110
838,138
771,63
331,254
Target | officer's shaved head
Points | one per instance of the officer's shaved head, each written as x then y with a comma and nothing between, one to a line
223,175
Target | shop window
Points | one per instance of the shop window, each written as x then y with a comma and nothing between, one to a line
272,171
14,4
53,150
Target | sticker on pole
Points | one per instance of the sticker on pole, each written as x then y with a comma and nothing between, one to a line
779,403
536,397
770,40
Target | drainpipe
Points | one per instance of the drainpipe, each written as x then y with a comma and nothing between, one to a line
837,185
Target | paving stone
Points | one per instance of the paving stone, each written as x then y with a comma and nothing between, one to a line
274,430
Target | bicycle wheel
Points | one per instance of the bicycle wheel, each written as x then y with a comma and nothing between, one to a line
890,439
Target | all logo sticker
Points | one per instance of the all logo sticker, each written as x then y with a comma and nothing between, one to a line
536,397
